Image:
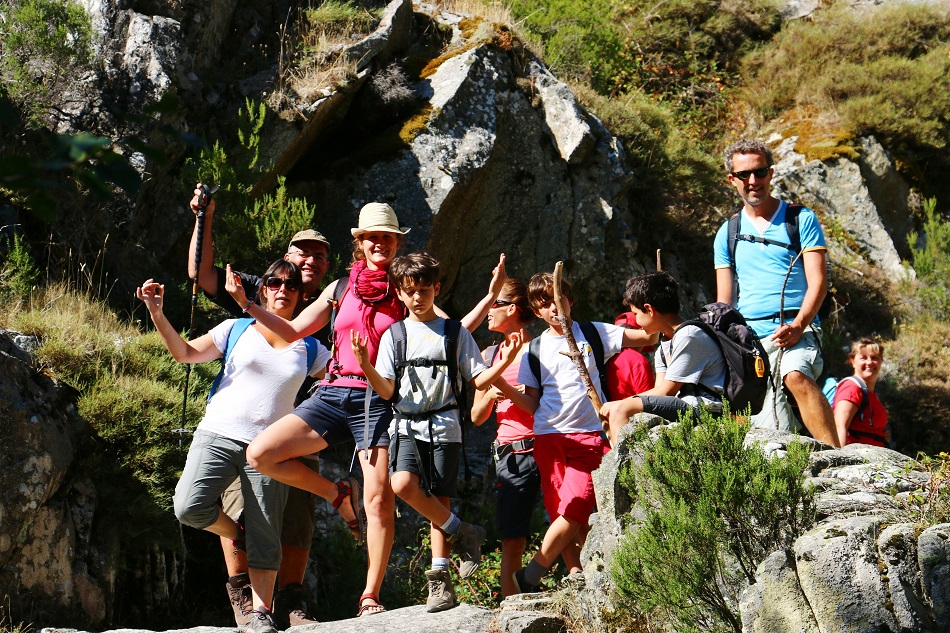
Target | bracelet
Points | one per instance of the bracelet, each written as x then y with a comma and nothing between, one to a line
248,306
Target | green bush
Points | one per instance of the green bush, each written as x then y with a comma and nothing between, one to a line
43,45
714,509
884,71
18,272
251,229
932,263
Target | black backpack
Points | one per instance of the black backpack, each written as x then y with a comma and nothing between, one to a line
747,364
794,246
596,348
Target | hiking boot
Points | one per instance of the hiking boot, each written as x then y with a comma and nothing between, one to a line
239,592
467,543
260,622
523,585
441,591
290,607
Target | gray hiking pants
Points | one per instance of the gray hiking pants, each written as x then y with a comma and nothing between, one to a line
215,461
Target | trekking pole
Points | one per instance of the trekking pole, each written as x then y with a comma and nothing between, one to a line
777,374
203,199
659,265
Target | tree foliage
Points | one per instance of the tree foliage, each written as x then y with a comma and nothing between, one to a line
932,262
44,45
714,509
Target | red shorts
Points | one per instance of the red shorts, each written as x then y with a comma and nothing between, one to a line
565,462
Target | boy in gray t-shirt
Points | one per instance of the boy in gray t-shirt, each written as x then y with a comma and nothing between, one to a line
426,430
690,369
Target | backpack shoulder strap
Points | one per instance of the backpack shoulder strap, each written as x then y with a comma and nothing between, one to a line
237,329
733,236
792,211
398,330
597,348
595,342
313,346
865,399
452,328
534,360
338,291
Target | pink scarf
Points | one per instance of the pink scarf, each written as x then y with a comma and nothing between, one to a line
374,290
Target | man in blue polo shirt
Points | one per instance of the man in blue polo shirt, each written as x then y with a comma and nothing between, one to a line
761,263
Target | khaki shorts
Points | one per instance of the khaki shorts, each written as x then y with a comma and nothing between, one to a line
298,522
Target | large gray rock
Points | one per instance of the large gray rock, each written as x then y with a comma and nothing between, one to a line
776,599
858,569
838,574
47,544
839,192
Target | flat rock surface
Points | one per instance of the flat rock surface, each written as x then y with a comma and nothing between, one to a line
465,618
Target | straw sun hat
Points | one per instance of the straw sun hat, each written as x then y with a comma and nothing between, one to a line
378,216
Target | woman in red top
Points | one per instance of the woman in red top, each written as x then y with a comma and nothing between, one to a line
517,480
860,420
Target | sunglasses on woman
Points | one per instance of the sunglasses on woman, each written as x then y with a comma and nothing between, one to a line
500,303
274,283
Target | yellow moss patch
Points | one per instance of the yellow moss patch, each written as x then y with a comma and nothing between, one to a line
433,66
468,26
415,124
820,136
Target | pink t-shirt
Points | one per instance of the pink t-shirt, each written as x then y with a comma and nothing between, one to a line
514,423
351,315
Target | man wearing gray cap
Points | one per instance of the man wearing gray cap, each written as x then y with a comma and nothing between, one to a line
310,252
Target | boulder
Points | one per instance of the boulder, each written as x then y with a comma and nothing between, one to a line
840,192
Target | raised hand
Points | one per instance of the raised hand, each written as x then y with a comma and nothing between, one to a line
498,277
232,283
359,343
509,348
152,295
199,202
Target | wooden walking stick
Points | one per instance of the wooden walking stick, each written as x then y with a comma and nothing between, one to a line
574,353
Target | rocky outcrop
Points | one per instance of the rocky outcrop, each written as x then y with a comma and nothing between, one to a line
862,203
493,155
864,566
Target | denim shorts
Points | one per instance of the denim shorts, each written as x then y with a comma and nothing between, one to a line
337,414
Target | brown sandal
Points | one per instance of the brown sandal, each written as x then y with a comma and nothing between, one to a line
369,609
351,488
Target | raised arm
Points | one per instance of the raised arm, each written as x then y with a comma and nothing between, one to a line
473,319
207,278
200,350
313,317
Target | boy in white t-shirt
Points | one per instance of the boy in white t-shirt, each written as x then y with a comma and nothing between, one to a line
567,429
426,432
690,368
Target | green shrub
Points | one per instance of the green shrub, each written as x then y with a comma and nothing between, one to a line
883,71
18,272
714,509
44,44
336,17
932,262
251,229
